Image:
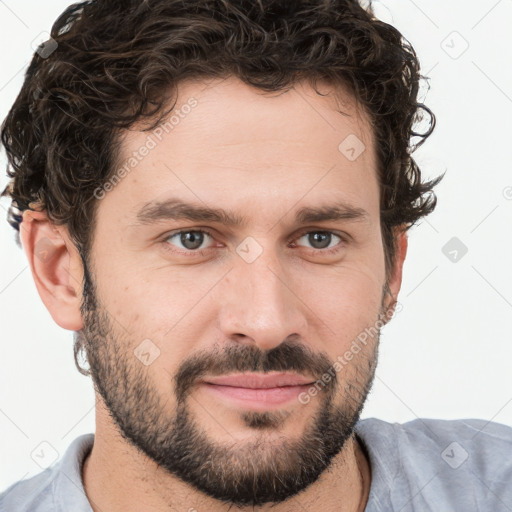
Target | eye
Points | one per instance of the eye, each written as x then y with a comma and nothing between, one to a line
190,240
322,240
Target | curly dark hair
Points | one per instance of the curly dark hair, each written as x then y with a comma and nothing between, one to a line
118,62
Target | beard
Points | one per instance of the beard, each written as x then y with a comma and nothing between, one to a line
252,472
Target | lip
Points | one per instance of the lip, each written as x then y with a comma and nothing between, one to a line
259,392
259,381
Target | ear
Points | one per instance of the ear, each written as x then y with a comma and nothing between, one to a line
395,277
56,267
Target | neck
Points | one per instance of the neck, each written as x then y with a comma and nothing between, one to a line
118,477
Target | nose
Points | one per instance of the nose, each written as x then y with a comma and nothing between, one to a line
261,304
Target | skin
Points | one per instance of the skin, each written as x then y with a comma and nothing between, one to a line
263,157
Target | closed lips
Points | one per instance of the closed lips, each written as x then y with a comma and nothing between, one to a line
259,381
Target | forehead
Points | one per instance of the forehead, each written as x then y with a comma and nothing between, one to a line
229,143
231,112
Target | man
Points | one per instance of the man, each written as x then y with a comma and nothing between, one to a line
214,197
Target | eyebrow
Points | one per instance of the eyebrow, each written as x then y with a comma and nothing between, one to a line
175,209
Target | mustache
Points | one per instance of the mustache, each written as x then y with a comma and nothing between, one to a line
288,356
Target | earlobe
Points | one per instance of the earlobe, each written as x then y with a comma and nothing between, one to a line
394,282
56,268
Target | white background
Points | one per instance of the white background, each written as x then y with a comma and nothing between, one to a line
448,354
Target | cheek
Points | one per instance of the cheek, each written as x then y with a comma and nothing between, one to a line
354,282
141,297
351,301
345,302
170,308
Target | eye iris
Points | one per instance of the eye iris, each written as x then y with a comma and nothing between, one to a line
192,238
320,236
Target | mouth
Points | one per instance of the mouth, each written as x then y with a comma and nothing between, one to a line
257,391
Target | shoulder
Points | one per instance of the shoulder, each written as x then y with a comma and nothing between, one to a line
476,437
56,488
464,462
35,493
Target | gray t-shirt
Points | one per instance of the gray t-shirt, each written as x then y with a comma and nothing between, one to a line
423,465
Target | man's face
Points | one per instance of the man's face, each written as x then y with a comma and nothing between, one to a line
171,308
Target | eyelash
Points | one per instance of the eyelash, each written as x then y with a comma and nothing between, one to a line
202,252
